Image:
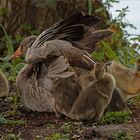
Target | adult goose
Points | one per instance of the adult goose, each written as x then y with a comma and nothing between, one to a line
49,57
35,81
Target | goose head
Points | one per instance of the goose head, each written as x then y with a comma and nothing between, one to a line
23,47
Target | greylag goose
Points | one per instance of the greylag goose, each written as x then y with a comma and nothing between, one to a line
35,81
48,57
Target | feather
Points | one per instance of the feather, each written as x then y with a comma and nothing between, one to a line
70,28
58,66
55,48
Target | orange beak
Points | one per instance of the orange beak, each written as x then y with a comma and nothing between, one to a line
16,54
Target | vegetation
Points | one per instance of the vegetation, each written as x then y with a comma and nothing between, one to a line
121,47
116,117
58,136
12,137
10,122
121,135
10,69
134,102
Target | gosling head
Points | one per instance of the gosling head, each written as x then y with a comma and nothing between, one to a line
24,45
99,70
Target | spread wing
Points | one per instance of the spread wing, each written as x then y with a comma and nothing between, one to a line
55,48
71,28
49,43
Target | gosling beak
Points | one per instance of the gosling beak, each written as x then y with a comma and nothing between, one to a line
16,54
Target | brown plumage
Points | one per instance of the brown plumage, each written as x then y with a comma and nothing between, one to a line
35,83
35,80
95,97
49,56
127,80
117,102
78,29
65,93
86,100
55,48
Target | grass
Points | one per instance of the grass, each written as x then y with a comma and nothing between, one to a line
135,101
12,136
122,135
58,136
67,127
116,117
4,121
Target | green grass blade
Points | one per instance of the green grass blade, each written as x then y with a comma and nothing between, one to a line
8,42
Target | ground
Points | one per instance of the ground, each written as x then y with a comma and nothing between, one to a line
17,122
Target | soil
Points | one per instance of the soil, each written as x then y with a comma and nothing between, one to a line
45,126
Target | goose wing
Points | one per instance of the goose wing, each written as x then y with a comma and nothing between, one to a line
55,48
71,28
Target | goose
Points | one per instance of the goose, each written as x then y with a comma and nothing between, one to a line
127,80
35,81
49,57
